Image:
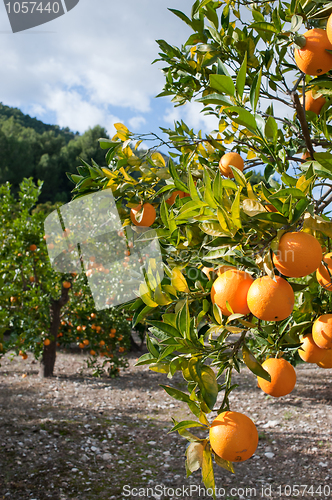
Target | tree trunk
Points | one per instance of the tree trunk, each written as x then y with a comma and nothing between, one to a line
49,352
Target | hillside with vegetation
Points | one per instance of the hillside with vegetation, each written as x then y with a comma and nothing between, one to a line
31,148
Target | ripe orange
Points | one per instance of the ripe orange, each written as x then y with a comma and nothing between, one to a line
323,274
233,436
270,300
329,28
98,329
81,346
93,315
326,362
47,342
92,352
113,330
112,335
102,343
232,287
148,217
13,299
66,284
32,279
86,342
122,349
228,159
322,331
313,104
79,328
313,59
298,254
180,194
309,351
283,377
33,248
305,155
24,356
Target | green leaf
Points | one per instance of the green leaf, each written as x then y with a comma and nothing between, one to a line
187,424
164,327
254,365
235,211
241,77
159,367
174,173
176,394
283,193
208,194
182,16
217,314
263,26
273,217
225,464
108,143
208,386
167,351
140,313
192,188
215,99
207,469
299,209
223,84
271,129
183,321
255,90
239,176
145,359
243,117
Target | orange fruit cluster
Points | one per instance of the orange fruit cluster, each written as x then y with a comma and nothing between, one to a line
298,255
317,346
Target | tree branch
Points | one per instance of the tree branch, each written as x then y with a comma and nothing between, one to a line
301,116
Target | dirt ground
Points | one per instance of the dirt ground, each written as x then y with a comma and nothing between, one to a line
78,437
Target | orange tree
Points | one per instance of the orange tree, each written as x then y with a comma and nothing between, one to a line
239,63
41,309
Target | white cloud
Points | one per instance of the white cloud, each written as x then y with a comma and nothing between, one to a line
136,122
72,111
98,56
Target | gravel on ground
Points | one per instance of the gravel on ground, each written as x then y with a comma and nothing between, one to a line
74,436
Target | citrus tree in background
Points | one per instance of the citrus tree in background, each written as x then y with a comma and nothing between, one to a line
245,283
41,309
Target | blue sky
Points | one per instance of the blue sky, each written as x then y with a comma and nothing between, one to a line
93,66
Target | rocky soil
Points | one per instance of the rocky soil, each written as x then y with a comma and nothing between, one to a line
78,437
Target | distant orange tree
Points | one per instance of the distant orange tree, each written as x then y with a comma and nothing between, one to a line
42,309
